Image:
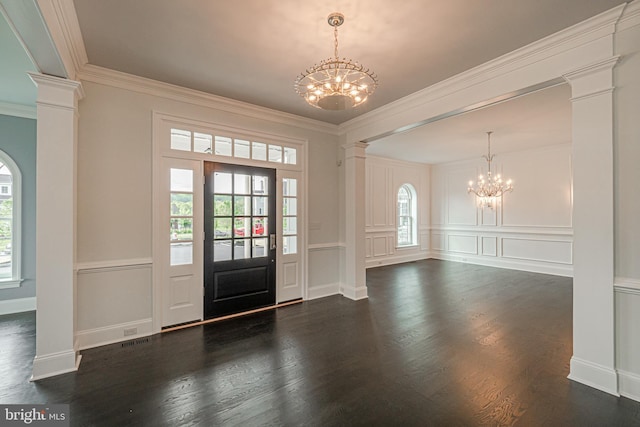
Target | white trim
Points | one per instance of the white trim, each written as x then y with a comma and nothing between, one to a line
18,110
95,266
18,305
104,76
509,264
629,385
511,229
389,260
626,285
323,291
16,220
95,337
594,375
10,284
630,17
324,246
50,365
354,293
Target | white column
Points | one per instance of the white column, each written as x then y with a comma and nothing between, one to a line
354,286
57,106
593,361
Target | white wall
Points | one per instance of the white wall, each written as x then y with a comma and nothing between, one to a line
115,202
627,208
383,179
531,229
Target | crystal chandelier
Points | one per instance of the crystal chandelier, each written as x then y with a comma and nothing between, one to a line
336,84
489,189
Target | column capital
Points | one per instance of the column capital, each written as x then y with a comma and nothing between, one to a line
355,149
592,79
56,91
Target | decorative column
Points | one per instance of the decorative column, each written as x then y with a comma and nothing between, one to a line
56,150
593,361
354,286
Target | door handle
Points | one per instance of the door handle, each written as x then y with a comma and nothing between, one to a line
272,241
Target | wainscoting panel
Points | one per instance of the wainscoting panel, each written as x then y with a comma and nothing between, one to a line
463,244
537,250
437,241
489,246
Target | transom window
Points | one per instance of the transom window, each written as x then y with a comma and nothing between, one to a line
406,206
228,146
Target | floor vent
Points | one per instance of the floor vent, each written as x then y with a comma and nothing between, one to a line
135,342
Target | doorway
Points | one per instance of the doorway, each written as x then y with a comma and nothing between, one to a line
240,238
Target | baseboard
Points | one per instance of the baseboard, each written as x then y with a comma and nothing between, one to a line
19,305
564,270
629,385
354,293
594,375
323,291
50,365
382,261
114,333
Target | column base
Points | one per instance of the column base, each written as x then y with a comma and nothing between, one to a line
354,293
594,375
54,364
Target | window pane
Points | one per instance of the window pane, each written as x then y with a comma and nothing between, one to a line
275,153
290,245
223,146
241,227
289,186
222,228
6,271
260,226
222,250
260,185
289,225
290,155
241,149
181,229
242,184
182,180
202,143
289,206
222,182
180,140
242,205
241,249
260,206
259,151
181,204
181,253
260,247
221,205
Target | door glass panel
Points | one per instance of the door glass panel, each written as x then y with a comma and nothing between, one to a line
260,247
275,153
241,149
241,249
181,204
241,227
223,146
181,229
259,151
290,155
242,184
180,140
222,182
260,185
260,227
260,205
289,187
289,225
202,143
221,205
289,245
242,205
181,253
222,228
289,206
182,180
221,250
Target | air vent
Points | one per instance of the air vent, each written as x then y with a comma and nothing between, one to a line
135,342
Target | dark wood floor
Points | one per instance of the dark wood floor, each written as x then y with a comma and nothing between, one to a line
436,343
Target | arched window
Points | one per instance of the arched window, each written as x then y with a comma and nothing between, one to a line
407,215
10,214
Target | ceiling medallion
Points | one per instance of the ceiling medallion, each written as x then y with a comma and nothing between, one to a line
336,84
488,190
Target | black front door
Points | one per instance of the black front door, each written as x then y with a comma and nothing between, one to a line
239,246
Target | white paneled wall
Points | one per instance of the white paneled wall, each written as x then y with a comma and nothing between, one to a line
530,230
383,179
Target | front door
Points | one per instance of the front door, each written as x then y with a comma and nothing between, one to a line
240,238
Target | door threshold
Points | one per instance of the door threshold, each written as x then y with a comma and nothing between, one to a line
231,316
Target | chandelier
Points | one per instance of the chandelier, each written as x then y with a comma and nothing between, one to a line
334,83
489,189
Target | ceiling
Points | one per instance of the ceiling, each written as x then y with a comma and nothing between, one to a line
16,86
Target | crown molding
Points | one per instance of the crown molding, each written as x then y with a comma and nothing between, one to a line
592,29
100,75
62,21
630,17
18,110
